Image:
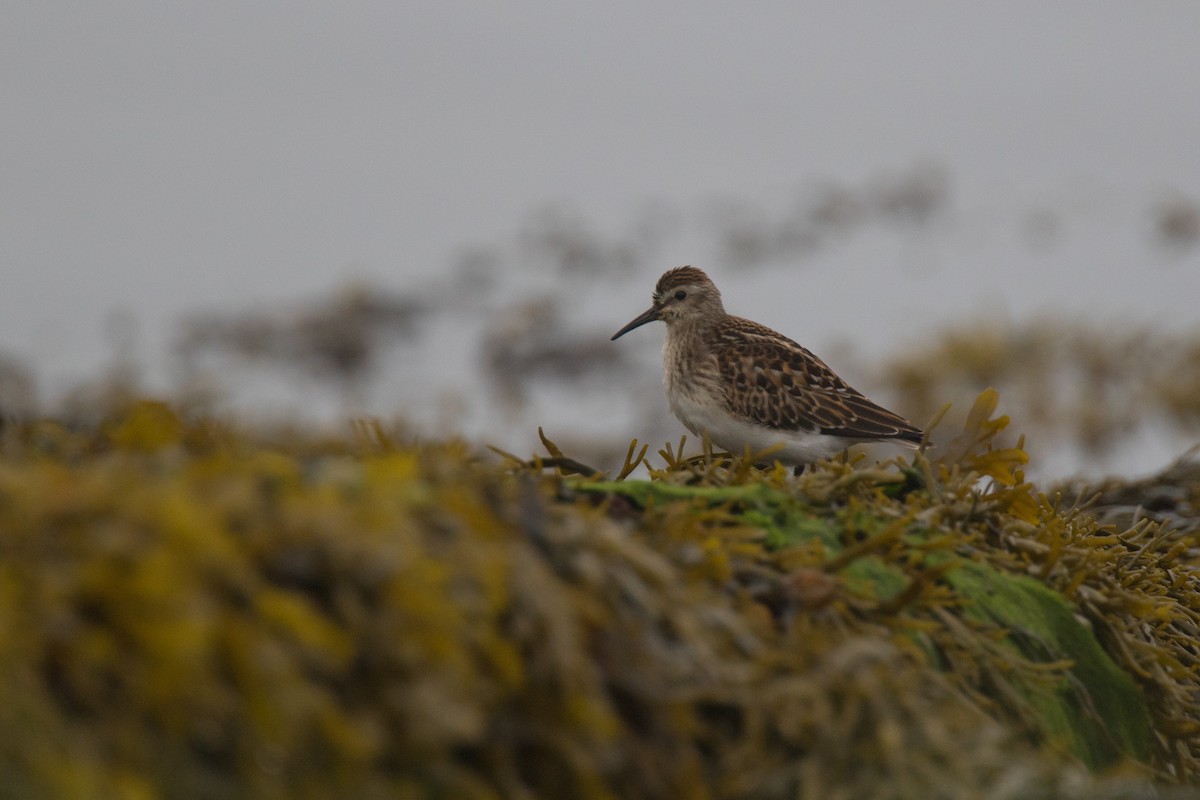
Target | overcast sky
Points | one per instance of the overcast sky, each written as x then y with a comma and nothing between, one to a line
157,157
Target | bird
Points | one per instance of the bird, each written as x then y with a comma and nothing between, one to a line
748,387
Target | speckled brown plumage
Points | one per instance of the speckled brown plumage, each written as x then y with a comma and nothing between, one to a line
777,383
749,386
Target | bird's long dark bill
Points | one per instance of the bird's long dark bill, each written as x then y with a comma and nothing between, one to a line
648,316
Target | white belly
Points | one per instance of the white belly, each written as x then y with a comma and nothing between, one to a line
701,415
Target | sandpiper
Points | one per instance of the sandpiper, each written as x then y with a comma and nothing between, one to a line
747,386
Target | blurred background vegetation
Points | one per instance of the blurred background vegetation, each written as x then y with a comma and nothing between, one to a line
515,335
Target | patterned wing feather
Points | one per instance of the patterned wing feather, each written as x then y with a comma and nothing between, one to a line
777,383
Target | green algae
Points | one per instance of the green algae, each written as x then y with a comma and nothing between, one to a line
1096,709
1093,709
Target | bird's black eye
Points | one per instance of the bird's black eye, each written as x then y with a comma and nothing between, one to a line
680,294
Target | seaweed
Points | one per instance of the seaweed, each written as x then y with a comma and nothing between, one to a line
189,608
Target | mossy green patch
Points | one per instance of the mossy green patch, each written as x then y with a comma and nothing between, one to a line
1087,705
1095,709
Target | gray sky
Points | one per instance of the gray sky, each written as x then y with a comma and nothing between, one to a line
157,157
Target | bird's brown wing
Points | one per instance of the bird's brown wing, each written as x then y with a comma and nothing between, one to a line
775,382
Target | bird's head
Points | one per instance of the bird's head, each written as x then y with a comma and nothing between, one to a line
684,295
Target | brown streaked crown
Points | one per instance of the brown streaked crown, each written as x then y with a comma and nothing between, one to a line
672,279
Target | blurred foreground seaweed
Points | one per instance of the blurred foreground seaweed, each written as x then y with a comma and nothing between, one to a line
192,610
